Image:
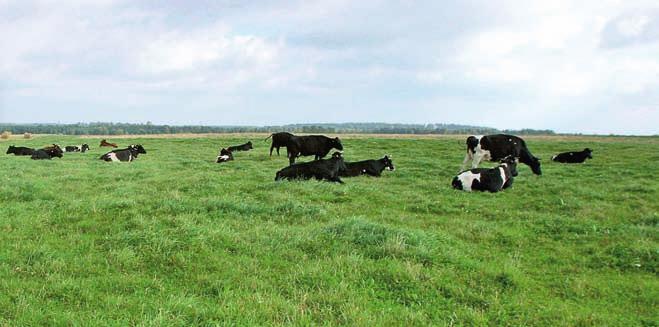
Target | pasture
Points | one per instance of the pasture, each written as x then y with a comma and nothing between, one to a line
176,239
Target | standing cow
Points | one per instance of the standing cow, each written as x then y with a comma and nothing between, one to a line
312,145
496,147
487,179
278,140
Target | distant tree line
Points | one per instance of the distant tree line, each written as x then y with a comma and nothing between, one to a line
149,128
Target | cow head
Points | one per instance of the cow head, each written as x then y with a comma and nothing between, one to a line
511,163
338,157
336,143
588,152
249,145
535,165
388,163
137,148
84,147
11,149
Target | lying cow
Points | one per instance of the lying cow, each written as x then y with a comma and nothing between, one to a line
243,147
106,143
573,157
224,156
20,150
367,167
496,147
126,155
47,153
278,140
327,169
76,148
312,145
487,179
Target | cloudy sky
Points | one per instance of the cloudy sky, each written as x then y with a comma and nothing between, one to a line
572,66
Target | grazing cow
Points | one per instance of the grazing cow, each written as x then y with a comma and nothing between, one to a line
243,147
48,153
313,145
20,150
278,140
76,148
485,179
367,167
496,147
224,156
127,155
573,157
106,143
327,169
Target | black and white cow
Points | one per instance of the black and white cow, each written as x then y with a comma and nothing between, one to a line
327,169
20,150
487,179
47,153
243,147
76,148
278,140
224,156
496,147
573,157
312,145
126,155
367,167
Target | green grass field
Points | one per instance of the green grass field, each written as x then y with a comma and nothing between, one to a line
175,239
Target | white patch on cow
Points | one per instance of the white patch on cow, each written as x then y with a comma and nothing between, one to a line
113,157
223,158
553,157
503,175
467,178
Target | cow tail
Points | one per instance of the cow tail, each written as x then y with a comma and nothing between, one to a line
268,137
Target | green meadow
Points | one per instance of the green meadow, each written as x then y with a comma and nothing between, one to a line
174,239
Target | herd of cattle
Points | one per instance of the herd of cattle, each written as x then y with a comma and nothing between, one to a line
507,150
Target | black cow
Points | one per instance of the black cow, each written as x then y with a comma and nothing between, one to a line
224,156
312,145
573,157
243,147
367,167
278,140
327,169
496,147
128,154
47,153
20,150
487,179
76,148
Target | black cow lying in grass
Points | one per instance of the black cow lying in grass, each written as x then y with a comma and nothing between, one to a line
278,140
47,153
487,179
327,169
573,157
126,155
367,167
496,147
243,147
224,156
76,148
20,150
312,145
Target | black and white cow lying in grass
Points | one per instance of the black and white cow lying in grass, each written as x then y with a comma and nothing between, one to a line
47,153
573,157
327,169
243,147
76,148
367,167
496,147
224,156
20,150
487,179
126,155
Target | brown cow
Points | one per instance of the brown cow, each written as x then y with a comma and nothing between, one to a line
106,143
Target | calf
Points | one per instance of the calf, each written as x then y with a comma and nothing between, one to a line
367,167
496,147
76,148
484,179
20,150
244,147
573,157
126,155
224,156
327,169
312,145
106,143
278,140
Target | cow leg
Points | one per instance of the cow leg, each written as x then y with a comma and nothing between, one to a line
272,147
277,151
468,157
476,160
291,158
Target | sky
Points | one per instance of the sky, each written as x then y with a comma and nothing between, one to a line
572,66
